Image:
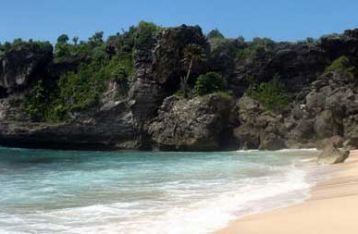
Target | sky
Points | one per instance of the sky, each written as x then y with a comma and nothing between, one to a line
280,20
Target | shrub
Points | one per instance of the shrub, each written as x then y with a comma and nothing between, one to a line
35,101
56,112
271,95
258,47
343,66
225,94
209,83
80,90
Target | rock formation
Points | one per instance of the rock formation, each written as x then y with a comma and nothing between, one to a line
202,123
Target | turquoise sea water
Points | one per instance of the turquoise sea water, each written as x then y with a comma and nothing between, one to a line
139,192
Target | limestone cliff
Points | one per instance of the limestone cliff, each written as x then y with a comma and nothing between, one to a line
323,97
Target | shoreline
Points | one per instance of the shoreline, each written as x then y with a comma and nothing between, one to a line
331,208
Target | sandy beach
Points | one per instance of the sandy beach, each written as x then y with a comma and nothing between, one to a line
331,209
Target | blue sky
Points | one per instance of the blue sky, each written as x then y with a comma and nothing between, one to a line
277,19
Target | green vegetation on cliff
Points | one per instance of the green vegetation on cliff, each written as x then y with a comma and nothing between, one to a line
82,88
258,47
99,63
30,45
36,101
271,95
209,83
343,66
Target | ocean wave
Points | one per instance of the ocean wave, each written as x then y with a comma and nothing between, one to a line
195,195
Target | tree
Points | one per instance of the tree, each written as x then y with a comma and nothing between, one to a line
215,34
62,48
17,42
145,34
75,40
96,39
6,46
193,54
62,39
310,40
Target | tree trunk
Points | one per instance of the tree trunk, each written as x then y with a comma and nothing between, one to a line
186,79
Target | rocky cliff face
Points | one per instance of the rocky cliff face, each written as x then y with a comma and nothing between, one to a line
322,103
22,65
329,109
108,129
158,72
296,64
159,68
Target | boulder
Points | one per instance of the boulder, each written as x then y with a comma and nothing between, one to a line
259,128
336,141
201,123
272,141
332,155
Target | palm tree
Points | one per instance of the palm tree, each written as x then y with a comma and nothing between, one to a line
193,54
75,40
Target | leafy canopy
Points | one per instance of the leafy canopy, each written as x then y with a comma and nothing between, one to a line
145,34
215,34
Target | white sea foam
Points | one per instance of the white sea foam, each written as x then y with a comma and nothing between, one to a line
298,150
281,150
250,196
215,213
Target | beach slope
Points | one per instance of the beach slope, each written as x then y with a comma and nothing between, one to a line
332,208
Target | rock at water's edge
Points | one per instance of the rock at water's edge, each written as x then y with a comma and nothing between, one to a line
197,124
332,155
